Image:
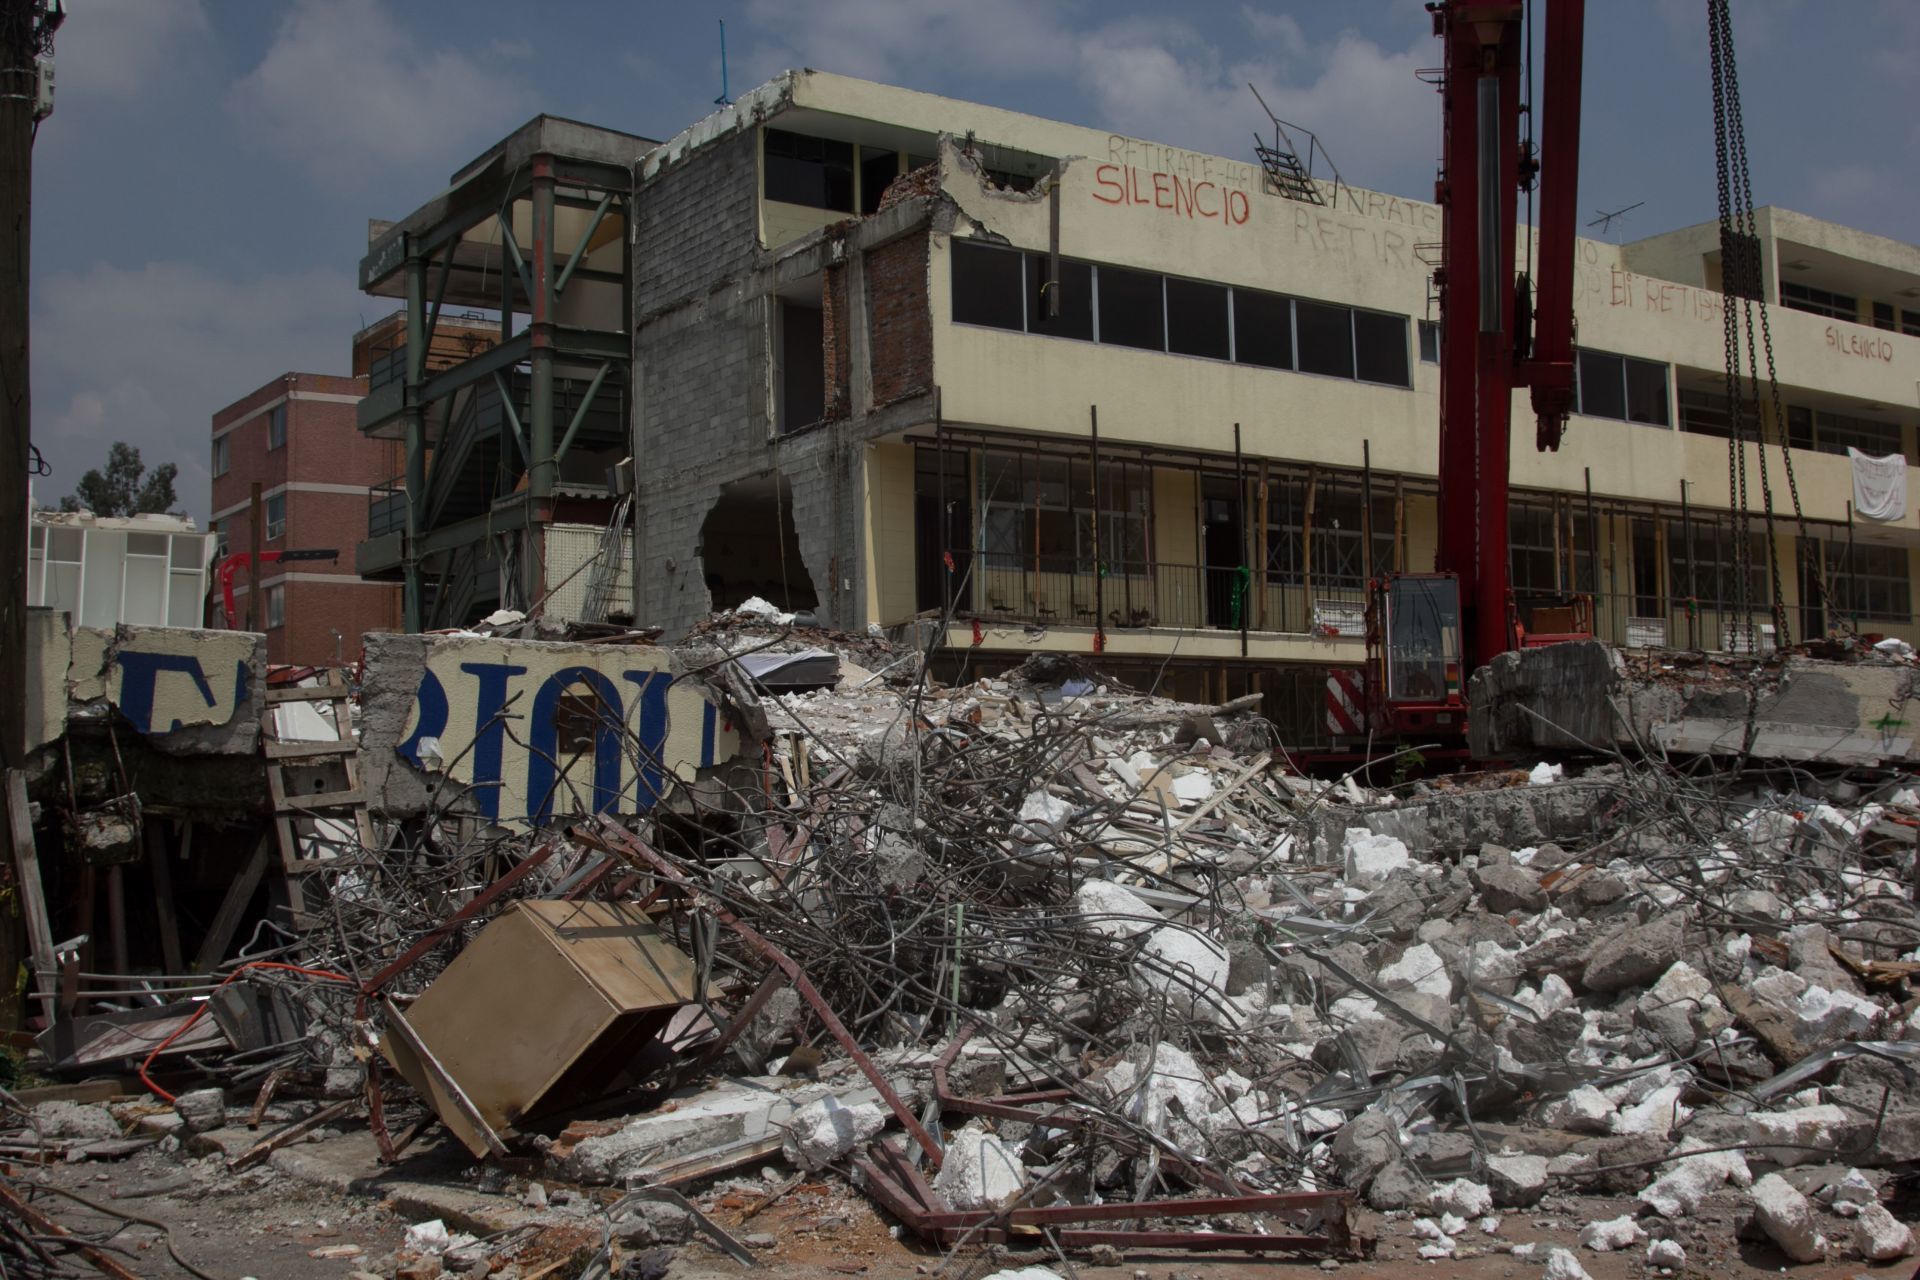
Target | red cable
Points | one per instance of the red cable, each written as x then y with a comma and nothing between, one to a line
197,1013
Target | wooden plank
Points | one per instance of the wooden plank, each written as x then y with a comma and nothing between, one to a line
226,921
33,901
307,693
163,908
320,801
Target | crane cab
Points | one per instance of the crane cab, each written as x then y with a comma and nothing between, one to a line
1416,682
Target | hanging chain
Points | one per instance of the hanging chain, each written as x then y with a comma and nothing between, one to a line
1741,278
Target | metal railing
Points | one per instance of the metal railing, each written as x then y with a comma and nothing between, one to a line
1065,591
387,507
1637,620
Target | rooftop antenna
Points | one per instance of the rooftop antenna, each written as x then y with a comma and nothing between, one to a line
1606,220
725,99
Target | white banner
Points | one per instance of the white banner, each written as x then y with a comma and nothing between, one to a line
1879,485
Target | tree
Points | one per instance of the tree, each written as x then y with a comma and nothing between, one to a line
125,488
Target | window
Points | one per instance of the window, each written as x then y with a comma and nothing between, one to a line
1339,534
1538,562
1883,316
1705,414
277,427
1870,581
1037,512
276,516
878,169
1827,432
1325,335
987,286
1610,386
1429,342
1910,322
1262,329
1197,319
1132,312
1835,306
1074,290
1380,348
816,172
1700,564
220,455
276,607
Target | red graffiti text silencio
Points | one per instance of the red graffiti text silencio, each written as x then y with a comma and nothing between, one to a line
1123,184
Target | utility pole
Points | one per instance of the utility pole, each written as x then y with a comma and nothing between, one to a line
26,32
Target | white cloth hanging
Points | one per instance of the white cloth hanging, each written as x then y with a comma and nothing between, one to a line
1879,485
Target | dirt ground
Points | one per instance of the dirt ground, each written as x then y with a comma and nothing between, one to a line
268,1224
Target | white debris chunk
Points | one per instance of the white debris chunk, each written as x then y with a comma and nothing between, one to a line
1679,1192
1659,1112
1025,1273
1833,1015
1798,1129
1847,1195
1584,1110
1185,965
1666,1253
1562,1265
1193,787
978,1172
1879,1236
428,1237
1114,909
1615,1233
1044,806
826,1129
1784,1214
1420,968
1464,1197
1543,773
1370,859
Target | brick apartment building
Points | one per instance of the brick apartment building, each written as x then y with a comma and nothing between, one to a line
297,436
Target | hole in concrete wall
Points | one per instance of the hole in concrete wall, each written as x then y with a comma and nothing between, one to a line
750,547
800,344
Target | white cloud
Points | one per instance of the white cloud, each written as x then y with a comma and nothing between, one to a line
116,48
345,91
147,354
892,40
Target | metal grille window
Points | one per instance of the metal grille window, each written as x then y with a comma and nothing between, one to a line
1611,386
1820,302
1537,557
1705,414
1870,581
1827,432
1037,511
1700,565
1338,534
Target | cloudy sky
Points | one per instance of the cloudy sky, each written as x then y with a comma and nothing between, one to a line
202,191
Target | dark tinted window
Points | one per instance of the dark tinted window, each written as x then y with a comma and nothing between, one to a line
1380,348
1326,338
812,171
1429,342
1602,389
1262,329
1075,288
878,169
986,286
1130,309
1647,392
1197,318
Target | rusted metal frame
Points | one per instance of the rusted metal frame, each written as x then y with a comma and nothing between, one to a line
512,247
512,419
739,1022
474,906
580,412
412,1135
377,1114
99,1259
587,883
268,1088
267,1146
616,839
1195,1241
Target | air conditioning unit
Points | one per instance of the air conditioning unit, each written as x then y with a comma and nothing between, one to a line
1735,638
1646,633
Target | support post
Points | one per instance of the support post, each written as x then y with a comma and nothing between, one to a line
255,514
1099,575
541,333
416,429
1245,579
20,33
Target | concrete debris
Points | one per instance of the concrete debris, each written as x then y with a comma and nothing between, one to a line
979,1171
1786,1217
1667,1254
823,1131
1616,1233
1880,1237
1562,1265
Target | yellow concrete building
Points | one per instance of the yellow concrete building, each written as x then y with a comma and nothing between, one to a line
901,359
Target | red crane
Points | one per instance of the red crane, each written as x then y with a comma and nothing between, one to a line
1429,630
233,564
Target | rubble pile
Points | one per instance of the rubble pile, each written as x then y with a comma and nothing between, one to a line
1037,957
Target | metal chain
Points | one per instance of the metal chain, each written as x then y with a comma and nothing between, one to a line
1734,266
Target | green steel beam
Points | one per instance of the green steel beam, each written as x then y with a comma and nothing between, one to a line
416,435
513,419
580,414
512,247
540,327
580,249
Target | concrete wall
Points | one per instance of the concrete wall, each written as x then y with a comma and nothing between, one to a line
524,732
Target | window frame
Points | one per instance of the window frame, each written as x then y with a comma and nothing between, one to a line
277,426
273,528
222,454
274,602
1625,388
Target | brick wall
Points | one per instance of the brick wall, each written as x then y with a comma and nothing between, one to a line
899,322
836,354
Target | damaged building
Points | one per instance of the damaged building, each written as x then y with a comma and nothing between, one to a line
894,359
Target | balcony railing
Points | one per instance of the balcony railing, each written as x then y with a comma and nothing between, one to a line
1063,591
387,507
